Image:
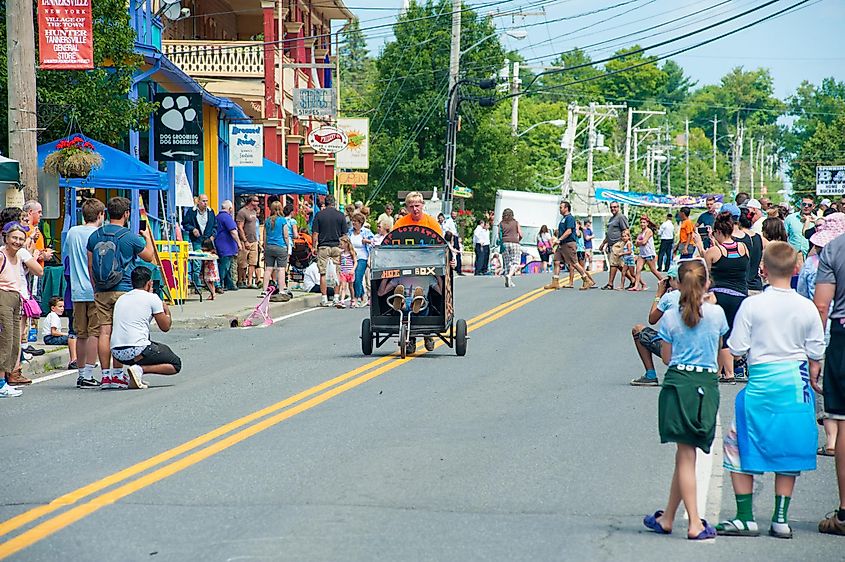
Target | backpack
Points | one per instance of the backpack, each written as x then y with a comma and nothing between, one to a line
106,263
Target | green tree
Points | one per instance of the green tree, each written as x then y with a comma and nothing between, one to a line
408,118
644,82
575,65
97,99
357,71
677,85
825,148
812,105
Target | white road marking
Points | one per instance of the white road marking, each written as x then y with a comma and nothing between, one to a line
285,317
52,376
708,476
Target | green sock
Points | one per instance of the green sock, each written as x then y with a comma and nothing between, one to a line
781,513
745,507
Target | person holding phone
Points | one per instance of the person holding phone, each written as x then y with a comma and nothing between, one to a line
705,222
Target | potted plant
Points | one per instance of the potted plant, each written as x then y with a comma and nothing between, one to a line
73,158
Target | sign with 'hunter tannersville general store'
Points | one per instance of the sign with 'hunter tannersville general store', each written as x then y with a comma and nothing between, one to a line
314,102
246,145
65,36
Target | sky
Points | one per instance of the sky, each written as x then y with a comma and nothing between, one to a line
807,44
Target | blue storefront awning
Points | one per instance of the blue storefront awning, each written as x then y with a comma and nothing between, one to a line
119,170
275,179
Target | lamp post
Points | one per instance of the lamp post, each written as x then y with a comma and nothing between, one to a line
555,122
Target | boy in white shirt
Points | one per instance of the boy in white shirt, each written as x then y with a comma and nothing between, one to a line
130,338
774,428
52,329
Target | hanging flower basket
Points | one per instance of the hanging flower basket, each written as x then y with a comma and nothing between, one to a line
73,158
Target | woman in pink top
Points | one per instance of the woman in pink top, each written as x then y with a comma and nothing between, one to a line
13,256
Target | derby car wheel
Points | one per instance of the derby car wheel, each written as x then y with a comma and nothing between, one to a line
366,337
461,337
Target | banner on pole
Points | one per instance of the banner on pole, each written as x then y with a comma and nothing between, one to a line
65,37
356,155
654,199
246,145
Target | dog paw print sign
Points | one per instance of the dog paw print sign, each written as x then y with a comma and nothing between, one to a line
178,127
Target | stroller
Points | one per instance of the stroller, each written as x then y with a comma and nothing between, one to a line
301,257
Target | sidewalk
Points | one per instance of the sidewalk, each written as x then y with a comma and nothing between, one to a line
225,311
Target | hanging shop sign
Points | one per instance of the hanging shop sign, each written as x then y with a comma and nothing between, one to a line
654,199
246,145
314,102
353,178
356,156
178,127
462,191
65,37
830,180
327,140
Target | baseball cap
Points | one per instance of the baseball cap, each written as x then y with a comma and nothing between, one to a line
753,204
730,208
825,202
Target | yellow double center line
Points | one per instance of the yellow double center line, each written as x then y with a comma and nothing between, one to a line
281,411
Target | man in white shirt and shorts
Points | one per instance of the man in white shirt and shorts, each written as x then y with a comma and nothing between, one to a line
130,341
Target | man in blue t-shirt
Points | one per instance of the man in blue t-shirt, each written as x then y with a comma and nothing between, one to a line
117,249
706,220
567,252
86,323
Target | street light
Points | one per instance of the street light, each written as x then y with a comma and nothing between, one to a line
518,34
555,122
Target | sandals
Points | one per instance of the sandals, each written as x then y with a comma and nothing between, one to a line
738,528
727,380
607,287
779,535
708,533
651,522
825,452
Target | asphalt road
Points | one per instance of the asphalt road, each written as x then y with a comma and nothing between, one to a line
532,447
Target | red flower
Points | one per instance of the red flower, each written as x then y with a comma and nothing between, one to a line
88,145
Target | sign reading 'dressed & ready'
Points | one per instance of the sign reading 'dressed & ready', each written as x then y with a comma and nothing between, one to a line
246,145
65,37
314,102
178,127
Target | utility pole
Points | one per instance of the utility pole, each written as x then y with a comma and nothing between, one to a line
686,155
668,162
715,122
751,157
452,108
569,140
737,150
23,120
515,82
631,131
591,143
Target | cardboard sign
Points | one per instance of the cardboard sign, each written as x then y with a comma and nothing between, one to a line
65,36
246,145
352,178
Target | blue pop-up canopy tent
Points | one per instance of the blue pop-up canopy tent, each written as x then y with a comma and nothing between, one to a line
275,179
119,170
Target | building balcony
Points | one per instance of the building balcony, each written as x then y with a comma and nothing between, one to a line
217,59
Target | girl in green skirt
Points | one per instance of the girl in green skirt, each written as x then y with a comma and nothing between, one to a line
689,400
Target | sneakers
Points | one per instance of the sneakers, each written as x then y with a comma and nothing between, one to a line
33,351
82,382
114,380
135,376
645,381
106,382
9,391
72,365
325,304
831,525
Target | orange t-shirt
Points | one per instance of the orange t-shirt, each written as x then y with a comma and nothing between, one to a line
427,221
686,234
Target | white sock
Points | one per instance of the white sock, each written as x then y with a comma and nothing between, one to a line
88,371
782,528
325,298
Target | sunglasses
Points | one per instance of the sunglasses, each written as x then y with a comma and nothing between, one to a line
806,204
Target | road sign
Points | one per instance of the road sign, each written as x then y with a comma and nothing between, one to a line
830,180
178,127
314,102
327,140
246,145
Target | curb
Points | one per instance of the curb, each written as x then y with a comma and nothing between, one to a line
50,361
225,320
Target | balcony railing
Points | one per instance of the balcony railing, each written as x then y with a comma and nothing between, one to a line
225,59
